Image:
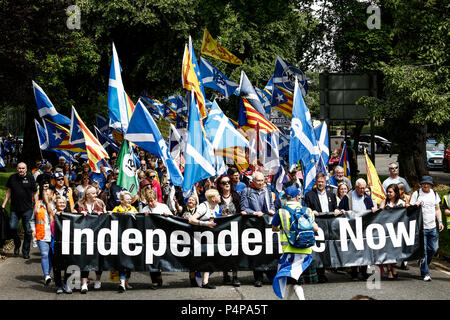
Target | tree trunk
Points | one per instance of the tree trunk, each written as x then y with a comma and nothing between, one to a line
410,141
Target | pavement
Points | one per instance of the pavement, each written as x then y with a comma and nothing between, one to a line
22,279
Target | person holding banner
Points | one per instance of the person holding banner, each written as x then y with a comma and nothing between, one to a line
342,190
204,217
358,200
89,203
393,200
125,207
429,200
60,203
231,205
155,207
257,201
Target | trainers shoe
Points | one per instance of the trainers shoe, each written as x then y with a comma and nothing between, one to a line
236,282
47,280
121,288
427,278
59,290
84,288
97,285
128,287
67,289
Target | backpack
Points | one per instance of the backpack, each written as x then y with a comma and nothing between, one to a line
301,232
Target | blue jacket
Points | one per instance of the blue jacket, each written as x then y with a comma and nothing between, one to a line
253,199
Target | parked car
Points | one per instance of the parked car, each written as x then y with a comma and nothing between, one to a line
382,145
447,159
435,154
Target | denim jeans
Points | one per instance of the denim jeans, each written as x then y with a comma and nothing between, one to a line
13,225
124,274
431,239
46,257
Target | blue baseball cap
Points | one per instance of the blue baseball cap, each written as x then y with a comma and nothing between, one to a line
292,191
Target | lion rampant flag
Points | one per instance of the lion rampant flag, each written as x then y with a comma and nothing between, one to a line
211,48
373,181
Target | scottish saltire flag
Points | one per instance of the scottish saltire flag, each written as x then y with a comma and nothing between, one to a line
169,113
285,74
106,141
82,137
283,145
58,137
303,145
178,103
247,91
200,161
102,123
2,157
120,105
221,131
290,265
271,155
343,161
144,132
155,107
46,108
265,97
127,169
269,85
41,135
322,140
191,77
214,79
177,145
279,179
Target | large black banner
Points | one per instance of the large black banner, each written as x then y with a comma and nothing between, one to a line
153,242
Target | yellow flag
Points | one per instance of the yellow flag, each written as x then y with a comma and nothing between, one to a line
373,181
211,48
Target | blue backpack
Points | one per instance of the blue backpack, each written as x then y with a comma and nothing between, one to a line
301,232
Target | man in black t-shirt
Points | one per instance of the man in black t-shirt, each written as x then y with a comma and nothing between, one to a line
22,191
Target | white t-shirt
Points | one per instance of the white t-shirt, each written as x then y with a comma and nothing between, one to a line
160,208
429,201
206,212
397,180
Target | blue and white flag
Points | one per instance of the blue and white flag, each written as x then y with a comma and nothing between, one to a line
41,135
106,141
2,157
283,145
143,131
214,79
290,265
221,132
102,123
179,104
247,91
269,85
117,104
322,140
155,107
285,74
303,145
271,157
200,160
46,108
279,179
320,167
266,99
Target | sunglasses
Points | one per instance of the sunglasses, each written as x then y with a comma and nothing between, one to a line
152,177
393,168
225,182
62,179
